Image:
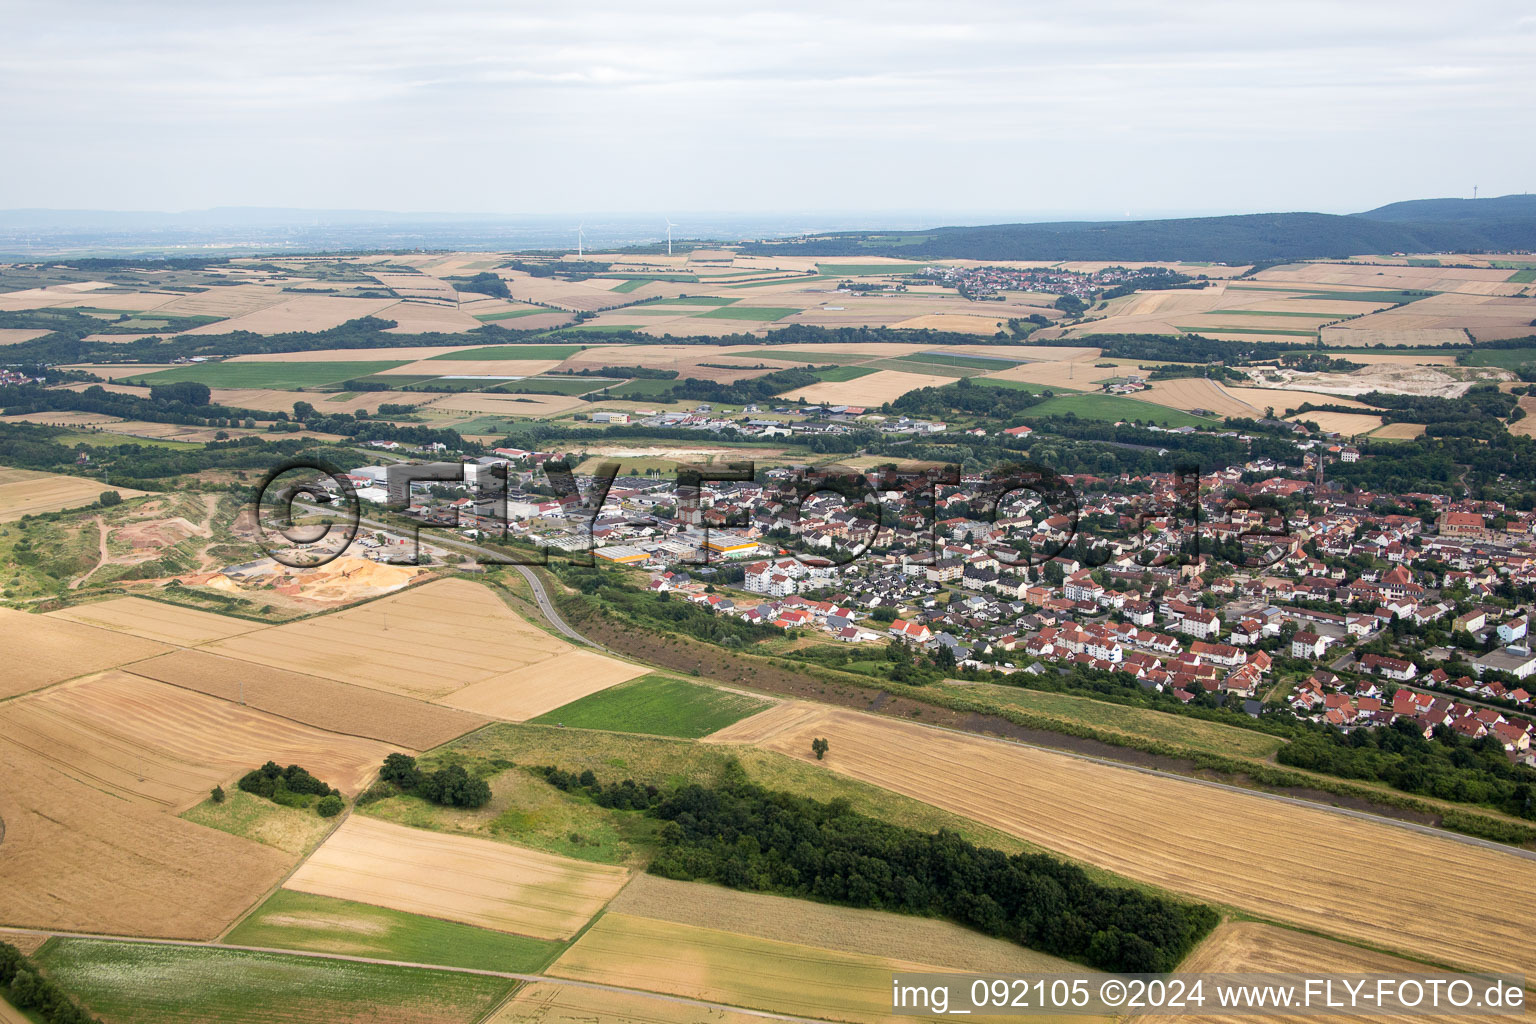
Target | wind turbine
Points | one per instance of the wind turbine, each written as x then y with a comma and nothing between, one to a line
670,226
579,237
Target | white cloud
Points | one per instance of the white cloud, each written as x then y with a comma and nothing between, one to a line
695,105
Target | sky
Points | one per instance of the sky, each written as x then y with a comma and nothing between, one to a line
964,109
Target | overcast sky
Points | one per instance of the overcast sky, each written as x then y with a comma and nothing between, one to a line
964,107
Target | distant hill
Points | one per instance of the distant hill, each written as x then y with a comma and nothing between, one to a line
1427,225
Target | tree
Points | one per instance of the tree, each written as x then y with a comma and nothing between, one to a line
188,392
401,770
819,747
303,411
329,806
217,795
109,498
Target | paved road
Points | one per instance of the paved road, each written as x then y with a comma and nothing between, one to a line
548,608
510,975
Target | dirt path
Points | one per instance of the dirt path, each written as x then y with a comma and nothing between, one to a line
101,557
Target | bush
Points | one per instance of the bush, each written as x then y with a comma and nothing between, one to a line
329,806
217,795
109,498
290,787
401,770
453,787
380,790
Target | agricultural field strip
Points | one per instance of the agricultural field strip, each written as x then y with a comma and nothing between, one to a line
707,963
458,878
137,738
1083,809
347,958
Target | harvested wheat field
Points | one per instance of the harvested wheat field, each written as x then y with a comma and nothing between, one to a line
305,313
528,692
1191,393
1086,811
1407,431
1283,400
458,878
58,649
739,970
550,1002
1348,424
872,389
323,703
148,741
846,929
50,492
1247,947
153,620
80,859
467,405
425,643
1526,426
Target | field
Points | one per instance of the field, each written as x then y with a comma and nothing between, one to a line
510,352
323,703
1084,810
297,920
657,704
25,493
1348,424
719,966
448,637
278,375
845,929
294,830
1131,721
75,857
874,389
1398,432
458,878
1114,408
133,983
546,1002
1189,393
1248,947
153,620
58,649
146,741
760,314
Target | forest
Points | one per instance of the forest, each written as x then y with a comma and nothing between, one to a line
744,836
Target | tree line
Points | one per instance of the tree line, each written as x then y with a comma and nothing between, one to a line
744,836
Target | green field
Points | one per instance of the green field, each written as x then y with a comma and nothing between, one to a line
299,920
923,364
277,376
513,314
838,374
393,380
648,387
105,439
1114,407
514,352
139,983
630,286
957,359
1146,723
1508,358
759,314
441,384
659,705
801,355
557,385
1393,296
866,269
1526,276
694,300
1019,385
